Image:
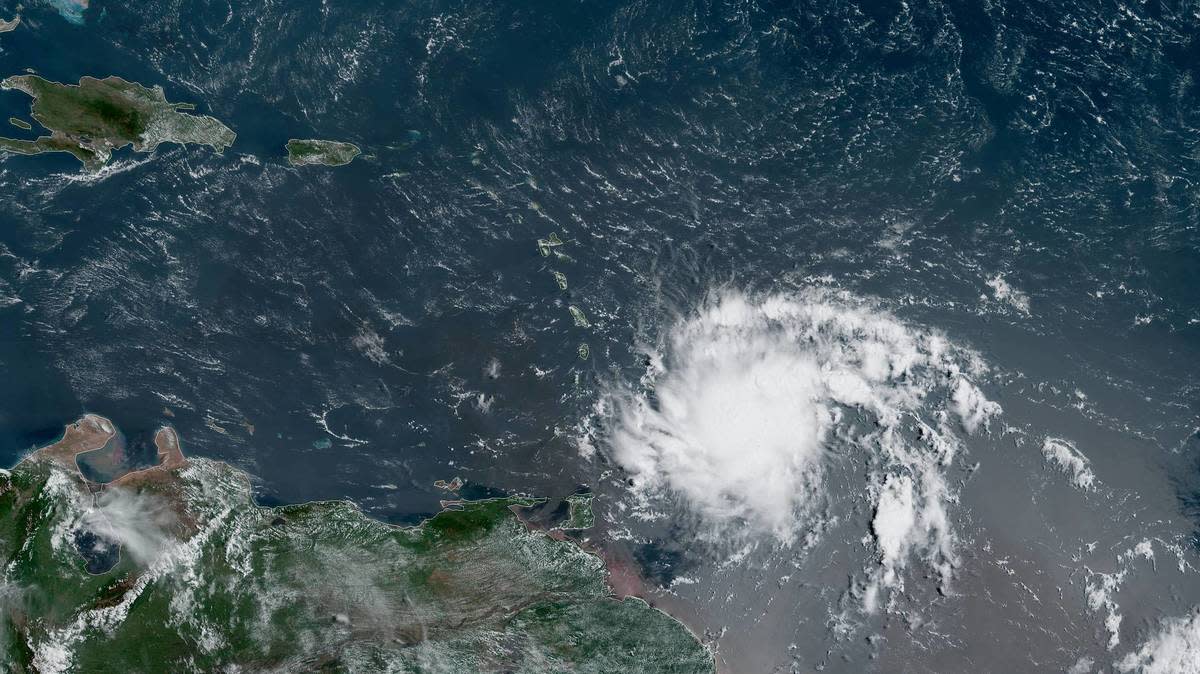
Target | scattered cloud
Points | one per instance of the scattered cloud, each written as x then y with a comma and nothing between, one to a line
1173,649
1063,454
1004,292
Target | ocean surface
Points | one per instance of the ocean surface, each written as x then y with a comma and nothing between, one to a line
1018,178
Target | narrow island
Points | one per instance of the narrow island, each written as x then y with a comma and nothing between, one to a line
174,564
20,123
91,119
6,26
323,152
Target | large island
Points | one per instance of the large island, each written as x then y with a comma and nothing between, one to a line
172,567
91,119
308,152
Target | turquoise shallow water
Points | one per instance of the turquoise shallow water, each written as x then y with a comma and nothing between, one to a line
71,10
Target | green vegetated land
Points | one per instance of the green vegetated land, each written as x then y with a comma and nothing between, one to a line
208,581
579,514
97,116
323,152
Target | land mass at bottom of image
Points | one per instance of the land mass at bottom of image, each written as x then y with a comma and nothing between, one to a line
175,568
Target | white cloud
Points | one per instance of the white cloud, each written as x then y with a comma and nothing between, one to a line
895,519
1004,292
53,658
140,523
1174,649
1103,595
744,401
1082,666
973,409
738,427
1070,460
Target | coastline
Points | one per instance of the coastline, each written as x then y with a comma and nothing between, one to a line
92,431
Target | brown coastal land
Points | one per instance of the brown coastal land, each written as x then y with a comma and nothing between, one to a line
91,433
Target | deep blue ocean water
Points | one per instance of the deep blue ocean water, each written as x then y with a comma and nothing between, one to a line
362,331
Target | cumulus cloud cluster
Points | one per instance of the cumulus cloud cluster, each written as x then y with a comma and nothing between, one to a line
1004,292
1175,648
1070,460
744,401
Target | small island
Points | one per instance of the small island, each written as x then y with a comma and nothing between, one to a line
324,152
20,123
111,561
6,26
91,119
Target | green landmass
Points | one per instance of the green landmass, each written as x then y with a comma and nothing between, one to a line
323,152
580,318
97,116
20,123
546,244
579,514
208,581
